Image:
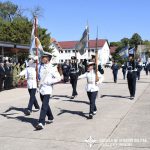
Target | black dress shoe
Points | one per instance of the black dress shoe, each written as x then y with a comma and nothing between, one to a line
131,98
27,112
90,116
72,97
39,126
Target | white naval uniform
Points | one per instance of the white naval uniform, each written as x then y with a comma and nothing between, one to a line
30,75
91,85
48,76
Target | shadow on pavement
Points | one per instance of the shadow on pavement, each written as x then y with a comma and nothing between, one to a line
77,101
15,108
59,96
24,119
79,113
117,96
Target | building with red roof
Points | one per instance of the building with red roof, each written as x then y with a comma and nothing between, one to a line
66,49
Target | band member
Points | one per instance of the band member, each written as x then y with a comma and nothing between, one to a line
124,70
131,77
139,69
147,66
65,70
91,87
30,75
115,69
48,77
73,77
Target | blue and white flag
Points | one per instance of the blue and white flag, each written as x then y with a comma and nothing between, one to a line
132,51
124,52
83,43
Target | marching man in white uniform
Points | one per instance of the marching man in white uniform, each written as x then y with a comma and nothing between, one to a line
30,75
92,87
47,76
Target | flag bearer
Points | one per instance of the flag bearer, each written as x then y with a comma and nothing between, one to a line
47,77
91,87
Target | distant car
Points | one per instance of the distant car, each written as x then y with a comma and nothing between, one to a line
108,65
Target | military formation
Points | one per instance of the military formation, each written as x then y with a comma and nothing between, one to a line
131,70
71,71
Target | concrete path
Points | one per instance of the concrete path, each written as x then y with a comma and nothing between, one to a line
120,123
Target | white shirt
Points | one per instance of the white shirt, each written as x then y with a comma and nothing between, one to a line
48,76
30,75
91,85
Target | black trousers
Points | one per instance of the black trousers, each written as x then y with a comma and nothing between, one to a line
1,83
45,110
92,98
131,77
7,83
146,70
66,77
73,82
32,100
115,76
138,74
124,74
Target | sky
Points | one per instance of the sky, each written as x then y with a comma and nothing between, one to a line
115,19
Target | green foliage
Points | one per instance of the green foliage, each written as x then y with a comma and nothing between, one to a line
17,28
115,44
135,40
125,42
42,32
8,10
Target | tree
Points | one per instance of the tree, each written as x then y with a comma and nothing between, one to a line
135,40
14,27
125,41
8,10
115,44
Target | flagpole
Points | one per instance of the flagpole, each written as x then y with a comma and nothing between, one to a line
88,40
96,57
36,44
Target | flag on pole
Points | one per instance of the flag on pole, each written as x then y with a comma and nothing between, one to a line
83,43
132,51
124,52
35,42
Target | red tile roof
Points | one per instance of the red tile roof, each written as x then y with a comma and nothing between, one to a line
71,44
52,40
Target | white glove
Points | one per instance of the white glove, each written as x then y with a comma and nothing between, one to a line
35,58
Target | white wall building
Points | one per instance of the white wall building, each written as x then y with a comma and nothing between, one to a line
64,50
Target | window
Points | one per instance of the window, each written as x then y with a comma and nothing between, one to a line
73,51
62,60
65,51
68,51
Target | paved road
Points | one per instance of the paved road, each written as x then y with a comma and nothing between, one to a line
120,124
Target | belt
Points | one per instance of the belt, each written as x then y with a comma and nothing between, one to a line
90,82
132,70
